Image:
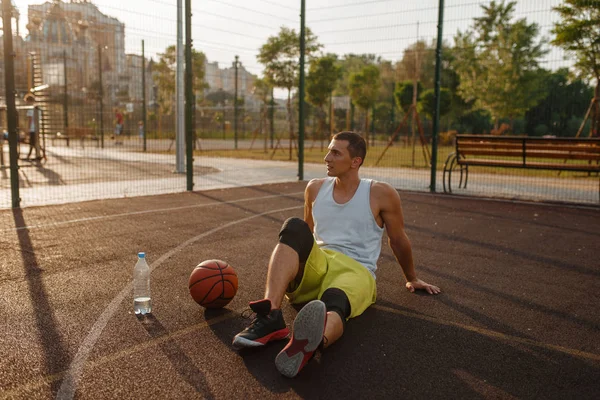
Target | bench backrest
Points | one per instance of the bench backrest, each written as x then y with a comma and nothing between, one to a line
529,147
78,132
519,151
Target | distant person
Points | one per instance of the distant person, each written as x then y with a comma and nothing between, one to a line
141,129
33,127
118,126
329,258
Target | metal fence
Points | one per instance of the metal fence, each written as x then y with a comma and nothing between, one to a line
103,74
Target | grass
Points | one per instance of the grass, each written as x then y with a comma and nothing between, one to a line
397,156
394,157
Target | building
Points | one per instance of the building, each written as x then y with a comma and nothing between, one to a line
79,32
224,79
74,42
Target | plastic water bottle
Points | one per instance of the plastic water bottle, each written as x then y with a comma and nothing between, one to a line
142,302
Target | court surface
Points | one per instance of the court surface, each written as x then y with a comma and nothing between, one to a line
518,316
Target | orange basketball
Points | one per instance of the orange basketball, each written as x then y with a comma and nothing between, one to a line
213,283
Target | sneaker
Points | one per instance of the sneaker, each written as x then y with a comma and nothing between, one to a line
307,335
268,325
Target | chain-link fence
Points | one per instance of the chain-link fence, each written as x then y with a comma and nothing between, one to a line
103,75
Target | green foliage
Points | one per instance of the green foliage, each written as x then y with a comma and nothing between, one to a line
565,99
475,122
579,33
364,86
323,74
219,97
382,114
404,94
281,54
415,60
427,102
164,76
262,89
574,124
388,82
540,130
497,61
350,65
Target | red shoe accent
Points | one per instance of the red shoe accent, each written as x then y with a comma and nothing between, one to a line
309,327
277,335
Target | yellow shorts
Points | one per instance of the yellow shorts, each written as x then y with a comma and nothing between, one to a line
326,269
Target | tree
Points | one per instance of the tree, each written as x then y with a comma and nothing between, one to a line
413,64
364,89
388,74
281,58
381,116
475,121
323,74
164,76
352,64
427,102
566,100
404,94
219,97
579,34
262,90
498,62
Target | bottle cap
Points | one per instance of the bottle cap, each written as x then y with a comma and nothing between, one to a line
141,254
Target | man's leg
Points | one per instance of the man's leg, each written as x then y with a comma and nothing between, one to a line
288,258
37,146
334,328
338,310
285,265
319,323
31,144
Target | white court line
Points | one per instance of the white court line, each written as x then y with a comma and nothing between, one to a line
73,376
158,210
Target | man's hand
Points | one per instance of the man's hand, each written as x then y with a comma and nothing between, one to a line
419,284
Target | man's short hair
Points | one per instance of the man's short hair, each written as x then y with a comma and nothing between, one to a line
357,147
29,97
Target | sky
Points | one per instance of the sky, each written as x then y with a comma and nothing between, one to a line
223,29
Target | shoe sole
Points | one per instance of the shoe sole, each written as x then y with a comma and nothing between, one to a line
307,335
241,342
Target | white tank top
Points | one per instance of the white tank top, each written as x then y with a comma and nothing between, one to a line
349,228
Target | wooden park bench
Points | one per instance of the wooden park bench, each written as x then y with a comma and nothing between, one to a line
559,154
53,137
72,133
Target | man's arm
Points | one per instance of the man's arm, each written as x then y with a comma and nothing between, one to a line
310,194
390,209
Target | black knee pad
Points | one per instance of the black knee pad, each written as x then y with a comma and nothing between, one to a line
296,234
336,300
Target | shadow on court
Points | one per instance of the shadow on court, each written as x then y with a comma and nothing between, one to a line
517,317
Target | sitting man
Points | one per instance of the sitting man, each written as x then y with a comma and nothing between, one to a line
329,258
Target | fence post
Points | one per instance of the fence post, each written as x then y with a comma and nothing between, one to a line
436,118
301,92
101,96
144,117
235,104
65,99
189,97
179,94
11,109
272,118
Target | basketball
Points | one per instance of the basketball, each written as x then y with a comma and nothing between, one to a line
213,283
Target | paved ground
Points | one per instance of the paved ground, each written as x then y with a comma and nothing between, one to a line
518,316
78,173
